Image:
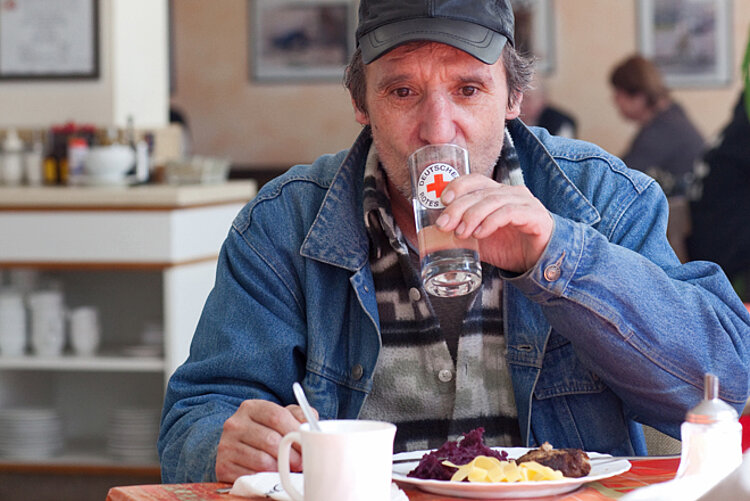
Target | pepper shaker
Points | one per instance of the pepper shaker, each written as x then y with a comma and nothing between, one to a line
711,437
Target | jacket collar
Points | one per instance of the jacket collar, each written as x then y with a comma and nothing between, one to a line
338,235
546,179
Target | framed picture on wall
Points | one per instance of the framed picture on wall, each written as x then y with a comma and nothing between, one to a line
690,42
535,32
295,40
49,39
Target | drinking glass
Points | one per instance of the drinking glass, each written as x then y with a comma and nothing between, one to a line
450,265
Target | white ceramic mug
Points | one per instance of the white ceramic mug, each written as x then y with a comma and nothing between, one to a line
348,460
85,331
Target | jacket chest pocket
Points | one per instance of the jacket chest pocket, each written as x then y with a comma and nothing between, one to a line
563,373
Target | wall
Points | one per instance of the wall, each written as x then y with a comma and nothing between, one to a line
140,62
261,125
133,49
593,35
229,114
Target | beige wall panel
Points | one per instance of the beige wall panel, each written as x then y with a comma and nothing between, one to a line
279,124
229,114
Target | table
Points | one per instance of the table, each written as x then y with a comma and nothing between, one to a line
645,471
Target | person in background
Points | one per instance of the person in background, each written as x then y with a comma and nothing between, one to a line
176,116
667,144
537,110
720,231
585,324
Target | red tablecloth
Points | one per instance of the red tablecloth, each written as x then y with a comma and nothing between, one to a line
644,472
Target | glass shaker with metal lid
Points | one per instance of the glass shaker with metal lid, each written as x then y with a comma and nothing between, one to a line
711,437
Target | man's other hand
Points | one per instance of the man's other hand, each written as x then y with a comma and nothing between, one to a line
250,439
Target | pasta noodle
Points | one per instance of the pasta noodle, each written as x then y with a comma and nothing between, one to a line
488,469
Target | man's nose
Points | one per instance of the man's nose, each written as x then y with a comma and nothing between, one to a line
437,120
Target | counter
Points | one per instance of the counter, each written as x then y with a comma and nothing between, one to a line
147,225
142,196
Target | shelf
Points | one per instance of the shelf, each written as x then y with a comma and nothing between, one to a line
141,255
151,266
80,457
143,197
79,363
151,226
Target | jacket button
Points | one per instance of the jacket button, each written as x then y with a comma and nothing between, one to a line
445,375
414,294
552,272
357,372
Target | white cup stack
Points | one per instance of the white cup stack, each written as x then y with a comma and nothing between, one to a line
47,322
12,324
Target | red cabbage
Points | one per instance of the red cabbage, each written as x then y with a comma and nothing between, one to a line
458,452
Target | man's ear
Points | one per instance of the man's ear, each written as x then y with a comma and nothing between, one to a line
514,109
359,115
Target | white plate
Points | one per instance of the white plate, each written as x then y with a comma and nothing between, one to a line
142,350
602,466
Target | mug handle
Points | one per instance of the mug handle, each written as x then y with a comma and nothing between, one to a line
284,449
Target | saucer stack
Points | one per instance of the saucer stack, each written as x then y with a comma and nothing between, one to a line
30,433
132,434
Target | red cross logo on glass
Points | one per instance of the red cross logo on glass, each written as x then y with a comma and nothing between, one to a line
437,185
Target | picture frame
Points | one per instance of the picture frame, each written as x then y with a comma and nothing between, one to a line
49,39
690,42
535,32
301,40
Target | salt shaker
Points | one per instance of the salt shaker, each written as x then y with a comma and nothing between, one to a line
12,159
33,161
711,437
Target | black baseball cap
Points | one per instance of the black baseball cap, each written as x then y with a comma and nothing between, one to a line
479,27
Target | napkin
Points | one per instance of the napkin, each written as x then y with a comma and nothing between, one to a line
682,489
735,486
268,484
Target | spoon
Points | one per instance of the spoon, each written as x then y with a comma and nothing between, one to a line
299,394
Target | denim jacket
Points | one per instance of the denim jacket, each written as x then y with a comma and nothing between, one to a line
608,329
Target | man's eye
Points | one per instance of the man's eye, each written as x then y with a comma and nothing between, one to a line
402,92
468,91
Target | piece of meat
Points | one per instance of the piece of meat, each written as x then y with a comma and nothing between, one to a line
571,462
